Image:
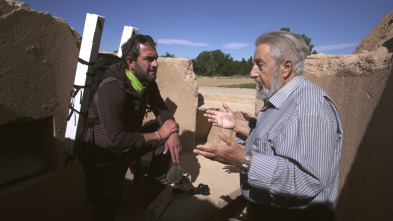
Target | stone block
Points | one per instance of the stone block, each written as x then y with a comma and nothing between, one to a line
179,89
37,64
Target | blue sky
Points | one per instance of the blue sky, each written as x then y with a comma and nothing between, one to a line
186,28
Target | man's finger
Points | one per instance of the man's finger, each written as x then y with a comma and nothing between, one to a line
166,148
171,152
211,112
210,116
225,138
203,148
177,157
227,109
207,115
204,153
173,155
212,120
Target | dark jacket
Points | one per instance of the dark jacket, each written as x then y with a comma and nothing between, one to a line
121,110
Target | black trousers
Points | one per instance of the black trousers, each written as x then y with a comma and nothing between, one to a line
315,213
105,175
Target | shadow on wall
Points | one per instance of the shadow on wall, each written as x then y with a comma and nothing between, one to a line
6,114
191,167
201,100
187,125
171,106
389,45
26,151
367,193
55,195
186,137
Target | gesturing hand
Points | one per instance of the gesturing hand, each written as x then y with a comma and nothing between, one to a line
225,119
230,154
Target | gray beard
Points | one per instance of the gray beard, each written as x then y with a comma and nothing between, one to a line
264,93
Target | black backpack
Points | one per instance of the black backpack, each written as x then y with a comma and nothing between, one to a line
96,73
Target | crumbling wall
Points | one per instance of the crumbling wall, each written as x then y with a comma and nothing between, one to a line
37,65
380,36
37,68
362,87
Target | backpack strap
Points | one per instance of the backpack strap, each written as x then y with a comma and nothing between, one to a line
80,60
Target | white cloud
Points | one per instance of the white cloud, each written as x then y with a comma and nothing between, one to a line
235,45
336,46
182,42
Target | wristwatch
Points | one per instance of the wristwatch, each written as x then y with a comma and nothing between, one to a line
245,167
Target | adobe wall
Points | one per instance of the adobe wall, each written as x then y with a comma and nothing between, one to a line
380,36
179,89
362,87
37,69
37,65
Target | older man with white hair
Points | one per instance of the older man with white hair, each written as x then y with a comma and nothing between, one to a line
289,167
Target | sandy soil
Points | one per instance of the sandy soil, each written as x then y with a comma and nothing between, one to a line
238,99
219,81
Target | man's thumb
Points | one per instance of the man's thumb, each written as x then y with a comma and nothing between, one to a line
227,109
224,137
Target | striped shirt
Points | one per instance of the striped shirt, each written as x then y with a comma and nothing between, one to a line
297,146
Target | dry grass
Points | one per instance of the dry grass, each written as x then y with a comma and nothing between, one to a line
223,81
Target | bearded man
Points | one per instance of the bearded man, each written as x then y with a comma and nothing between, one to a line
116,135
289,167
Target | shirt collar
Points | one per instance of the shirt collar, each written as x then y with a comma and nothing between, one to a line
283,93
136,84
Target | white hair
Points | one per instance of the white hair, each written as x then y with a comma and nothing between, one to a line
286,45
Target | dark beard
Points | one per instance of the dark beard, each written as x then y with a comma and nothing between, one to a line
143,76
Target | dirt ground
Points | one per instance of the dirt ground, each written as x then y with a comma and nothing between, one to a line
238,99
220,81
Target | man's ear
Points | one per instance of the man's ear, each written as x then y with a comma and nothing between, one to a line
130,63
287,68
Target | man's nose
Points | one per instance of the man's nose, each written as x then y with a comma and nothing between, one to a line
254,71
154,63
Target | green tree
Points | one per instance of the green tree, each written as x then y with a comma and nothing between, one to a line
202,62
306,39
217,63
212,63
168,55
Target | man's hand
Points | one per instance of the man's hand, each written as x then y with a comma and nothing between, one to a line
225,119
230,154
173,145
169,127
